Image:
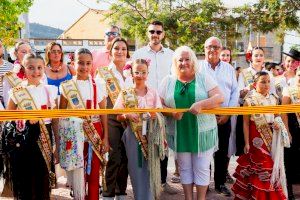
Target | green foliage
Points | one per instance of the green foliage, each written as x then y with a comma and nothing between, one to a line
10,11
191,22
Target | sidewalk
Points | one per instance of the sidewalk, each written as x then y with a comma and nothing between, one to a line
63,193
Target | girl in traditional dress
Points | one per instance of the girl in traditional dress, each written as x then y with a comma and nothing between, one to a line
245,84
18,71
260,171
83,161
138,165
31,157
291,95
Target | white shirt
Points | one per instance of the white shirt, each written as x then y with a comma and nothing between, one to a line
42,95
86,90
224,75
5,67
123,83
160,64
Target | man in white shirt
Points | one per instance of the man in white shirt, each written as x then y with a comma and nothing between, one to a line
5,66
225,76
160,59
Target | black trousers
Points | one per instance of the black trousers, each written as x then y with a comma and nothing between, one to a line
220,156
116,170
164,170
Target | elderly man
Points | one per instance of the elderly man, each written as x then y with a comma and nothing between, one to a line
101,57
160,59
224,74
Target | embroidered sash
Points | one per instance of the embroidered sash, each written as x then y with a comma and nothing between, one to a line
26,102
13,79
112,83
260,121
295,98
130,101
75,100
248,77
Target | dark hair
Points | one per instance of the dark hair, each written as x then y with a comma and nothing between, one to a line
237,68
140,62
82,51
226,48
270,65
257,48
259,74
119,39
29,56
157,23
49,46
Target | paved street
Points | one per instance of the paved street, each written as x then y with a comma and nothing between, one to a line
62,192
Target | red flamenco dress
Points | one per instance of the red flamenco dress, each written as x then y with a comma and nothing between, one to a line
254,171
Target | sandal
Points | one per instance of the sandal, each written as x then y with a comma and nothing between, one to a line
175,178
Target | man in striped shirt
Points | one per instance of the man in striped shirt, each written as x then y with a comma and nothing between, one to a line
5,66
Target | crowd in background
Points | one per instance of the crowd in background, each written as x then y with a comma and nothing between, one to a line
108,148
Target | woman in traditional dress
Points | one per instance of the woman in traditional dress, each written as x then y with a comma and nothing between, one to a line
31,157
260,171
84,163
56,71
291,63
245,84
196,134
134,135
116,171
291,95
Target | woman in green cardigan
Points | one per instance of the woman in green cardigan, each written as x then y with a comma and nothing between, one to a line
196,137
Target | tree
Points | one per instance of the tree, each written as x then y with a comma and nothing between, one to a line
186,22
190,22
10,25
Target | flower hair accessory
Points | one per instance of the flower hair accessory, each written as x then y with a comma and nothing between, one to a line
127,69
148,61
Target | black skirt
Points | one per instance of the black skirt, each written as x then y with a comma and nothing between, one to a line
291,154
29,173
240,142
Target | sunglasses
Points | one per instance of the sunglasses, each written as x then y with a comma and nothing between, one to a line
154,31
183,88
112,34
55,51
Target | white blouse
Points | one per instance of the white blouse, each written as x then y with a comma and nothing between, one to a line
42,95
86,90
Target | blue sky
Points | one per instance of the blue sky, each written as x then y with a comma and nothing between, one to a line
63,13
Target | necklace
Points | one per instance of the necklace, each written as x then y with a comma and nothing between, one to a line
55,70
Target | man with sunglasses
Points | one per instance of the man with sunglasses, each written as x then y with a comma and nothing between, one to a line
225,76
101,57
160,66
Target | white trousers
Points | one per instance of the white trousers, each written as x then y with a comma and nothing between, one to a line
194,168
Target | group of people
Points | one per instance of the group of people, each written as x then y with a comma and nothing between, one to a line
108,148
